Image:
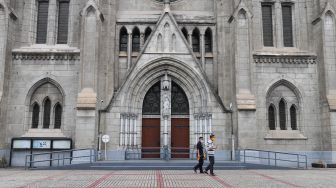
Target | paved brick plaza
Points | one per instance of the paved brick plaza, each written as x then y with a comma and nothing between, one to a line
160,179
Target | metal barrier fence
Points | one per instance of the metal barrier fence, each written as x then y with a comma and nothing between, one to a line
61,157
276,157
167,153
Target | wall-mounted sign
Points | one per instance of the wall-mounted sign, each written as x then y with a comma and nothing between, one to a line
42,144
21,144
61,144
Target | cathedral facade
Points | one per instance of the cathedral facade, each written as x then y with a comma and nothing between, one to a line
156,75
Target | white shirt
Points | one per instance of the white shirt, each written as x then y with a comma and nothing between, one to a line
211,148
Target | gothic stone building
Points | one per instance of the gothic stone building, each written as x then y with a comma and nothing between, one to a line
153,73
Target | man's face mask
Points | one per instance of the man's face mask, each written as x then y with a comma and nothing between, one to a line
202,141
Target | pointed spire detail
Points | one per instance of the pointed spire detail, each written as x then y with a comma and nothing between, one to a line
167,5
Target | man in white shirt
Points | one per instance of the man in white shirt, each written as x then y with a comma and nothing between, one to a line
211,153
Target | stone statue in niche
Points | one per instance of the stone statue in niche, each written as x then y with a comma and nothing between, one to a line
166,105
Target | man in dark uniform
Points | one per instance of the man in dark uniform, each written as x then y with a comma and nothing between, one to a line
200,155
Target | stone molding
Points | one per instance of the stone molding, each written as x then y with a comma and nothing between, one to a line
285,59
46,56
246,101
43,133
285,135
87,99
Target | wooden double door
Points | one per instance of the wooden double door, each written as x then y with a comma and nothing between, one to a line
151,137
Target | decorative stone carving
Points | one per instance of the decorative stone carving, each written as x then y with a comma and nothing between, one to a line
284,59
166,105
46,56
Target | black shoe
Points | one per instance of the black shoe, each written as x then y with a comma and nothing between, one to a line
212,174
195,171
206,172
202,172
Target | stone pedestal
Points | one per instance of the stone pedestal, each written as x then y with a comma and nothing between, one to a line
333,134
86,119
247,129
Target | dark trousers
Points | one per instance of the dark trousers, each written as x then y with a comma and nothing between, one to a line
200,164
211,165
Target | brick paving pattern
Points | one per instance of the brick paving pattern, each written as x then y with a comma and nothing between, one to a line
167,178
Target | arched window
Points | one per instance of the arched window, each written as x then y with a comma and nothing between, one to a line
123,40
185,33
36,116
152,101
271,117
173,43
196,40
287,21
46,113
42,21
285,114
136,40
58,116
267,22
159,43
42,99
148,31
208,41
179,101
63,21
293,117
282,114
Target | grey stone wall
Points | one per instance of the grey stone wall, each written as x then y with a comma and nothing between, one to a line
28,75
239,61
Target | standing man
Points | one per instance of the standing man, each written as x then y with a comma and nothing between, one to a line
211,153
200,155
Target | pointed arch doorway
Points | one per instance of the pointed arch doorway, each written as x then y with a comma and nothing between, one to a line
153,130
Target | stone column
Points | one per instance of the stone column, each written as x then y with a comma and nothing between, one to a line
6,37
52,24
245,98
129,51
278,25
86,129
210,123
126,129
165,132
205,123
121,129
131,130
288,119
201,126
142,40
333,132
277,120
202,47
196,127
190,38
135,130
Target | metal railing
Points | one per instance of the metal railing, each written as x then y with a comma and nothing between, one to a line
61,157
167,153
275,157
